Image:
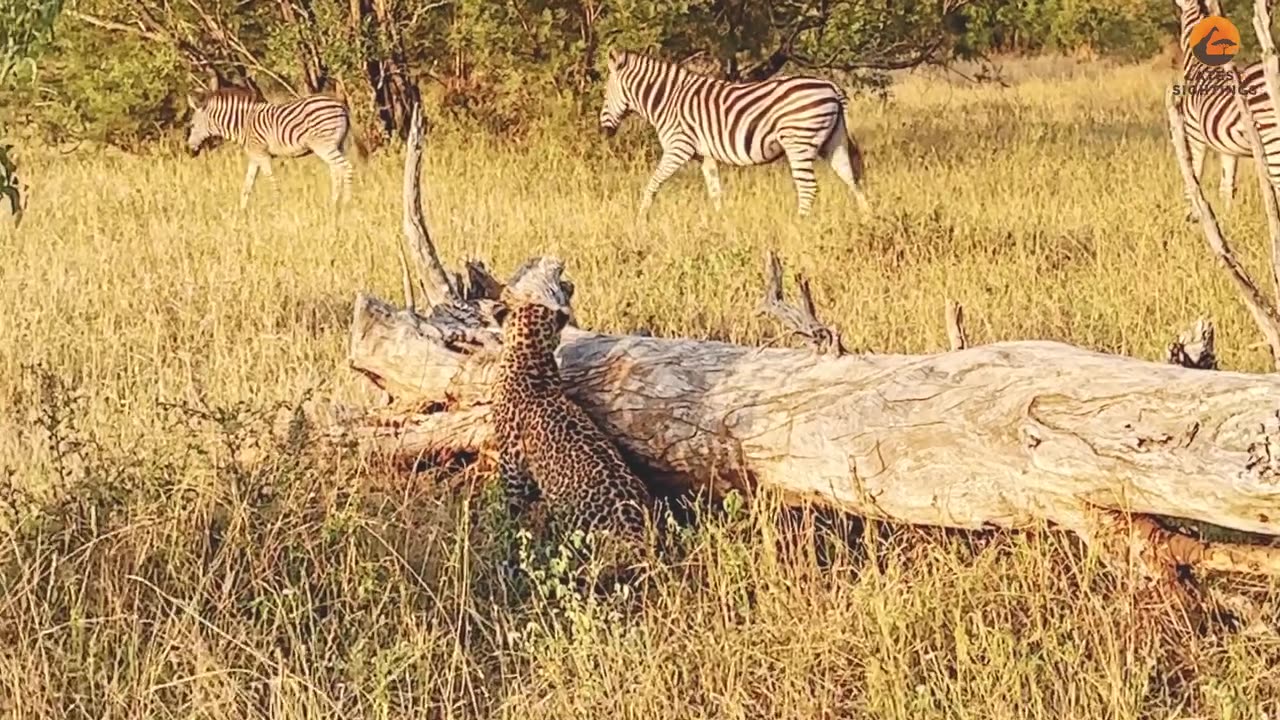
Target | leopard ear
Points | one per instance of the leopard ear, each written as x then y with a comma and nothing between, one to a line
562,318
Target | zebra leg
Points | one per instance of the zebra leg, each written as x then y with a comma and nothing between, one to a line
711,174
250,175
340,174
800,155
672,160
1197,165
1227,188
265,166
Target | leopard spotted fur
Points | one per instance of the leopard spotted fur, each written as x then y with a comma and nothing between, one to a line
550,451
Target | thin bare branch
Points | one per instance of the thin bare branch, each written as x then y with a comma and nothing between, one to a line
431,273
802,320
1265,188
112,25
1271,72
1264,314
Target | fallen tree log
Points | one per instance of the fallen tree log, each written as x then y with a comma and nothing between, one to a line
1006,435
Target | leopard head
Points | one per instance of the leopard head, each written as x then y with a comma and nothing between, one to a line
534,308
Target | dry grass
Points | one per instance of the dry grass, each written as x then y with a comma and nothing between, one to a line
147,575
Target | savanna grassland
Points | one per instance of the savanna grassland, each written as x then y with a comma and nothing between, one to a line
148,330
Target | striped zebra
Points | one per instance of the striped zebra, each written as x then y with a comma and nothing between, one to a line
315,124
1212,119
737,123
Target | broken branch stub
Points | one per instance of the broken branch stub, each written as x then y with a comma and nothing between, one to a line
1194,348
803,319
955,325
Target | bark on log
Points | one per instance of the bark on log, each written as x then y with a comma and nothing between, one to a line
1008,435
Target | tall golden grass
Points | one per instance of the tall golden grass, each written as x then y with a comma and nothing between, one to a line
147,327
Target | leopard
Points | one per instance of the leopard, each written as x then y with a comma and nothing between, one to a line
555,463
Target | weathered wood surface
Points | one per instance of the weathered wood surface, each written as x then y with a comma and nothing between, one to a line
1007,434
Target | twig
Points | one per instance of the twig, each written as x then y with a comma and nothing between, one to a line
955,325
802,320
105,24
1263,313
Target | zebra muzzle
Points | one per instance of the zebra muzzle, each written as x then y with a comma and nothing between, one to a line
608,130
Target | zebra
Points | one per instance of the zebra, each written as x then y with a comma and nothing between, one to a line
1212,119
314,124
737,123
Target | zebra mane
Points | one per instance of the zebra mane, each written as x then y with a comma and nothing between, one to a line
681,65
235,92
1202,8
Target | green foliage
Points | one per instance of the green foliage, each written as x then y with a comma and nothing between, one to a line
509,68
115,89
26,27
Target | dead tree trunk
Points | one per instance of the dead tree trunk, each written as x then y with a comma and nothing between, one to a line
1006,435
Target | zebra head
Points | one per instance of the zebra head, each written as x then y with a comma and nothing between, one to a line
616,106
200,127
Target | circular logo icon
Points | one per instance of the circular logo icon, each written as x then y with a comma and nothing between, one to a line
1214,41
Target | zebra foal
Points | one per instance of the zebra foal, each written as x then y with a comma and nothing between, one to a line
736,123
315,124
1212,119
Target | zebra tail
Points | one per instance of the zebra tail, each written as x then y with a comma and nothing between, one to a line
855,155
851,143
362,150
353,133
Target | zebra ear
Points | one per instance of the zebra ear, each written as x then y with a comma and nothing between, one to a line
617,58
191,103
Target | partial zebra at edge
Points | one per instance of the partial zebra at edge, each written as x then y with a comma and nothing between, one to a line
1212,118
